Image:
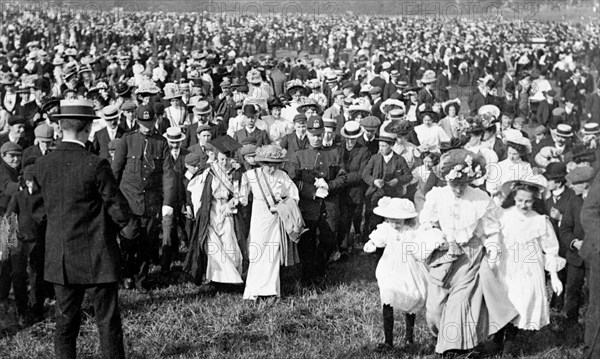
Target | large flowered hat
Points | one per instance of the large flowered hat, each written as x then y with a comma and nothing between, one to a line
270,153
461,165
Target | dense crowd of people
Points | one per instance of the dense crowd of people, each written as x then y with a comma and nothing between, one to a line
138,140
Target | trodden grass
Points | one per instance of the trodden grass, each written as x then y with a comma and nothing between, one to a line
341,318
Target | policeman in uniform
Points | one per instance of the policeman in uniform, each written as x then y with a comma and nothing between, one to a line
318,175
143,166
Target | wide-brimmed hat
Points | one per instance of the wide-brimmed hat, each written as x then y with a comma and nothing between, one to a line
271,153
302,108
294,85
563,130
386,136
399,127
174,134
453,144
147,87
516,137
389,104
110,113
172,92
352,129
395,208
489,109
428,77
590,128
461,165
534,180
78,109
453,103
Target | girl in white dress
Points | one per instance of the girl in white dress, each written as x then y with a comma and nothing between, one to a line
528,247
401,278
268,243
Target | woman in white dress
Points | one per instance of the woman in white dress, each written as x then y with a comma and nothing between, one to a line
176,113
215,254
514,167
429,133
528,247
268,244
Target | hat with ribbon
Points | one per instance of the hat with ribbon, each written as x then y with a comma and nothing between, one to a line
352,129
78,109
174,134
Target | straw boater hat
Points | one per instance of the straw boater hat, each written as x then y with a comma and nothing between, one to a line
174,134
516,137
395,208
110,113
270,153
563,130
590,128
352,129
428,77
534,180
489,109
460,166
78,109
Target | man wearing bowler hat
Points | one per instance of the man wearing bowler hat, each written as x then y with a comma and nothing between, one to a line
318,174
85,211
143,166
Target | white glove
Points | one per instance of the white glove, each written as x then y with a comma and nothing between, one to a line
167,211
369,247
322,192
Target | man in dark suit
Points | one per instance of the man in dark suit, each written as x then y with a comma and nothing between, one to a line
16,132
143,167
375,93
370,124
44,134
377,81
354,160
572,237
203,113
171,224
295,141
127,121
590,252
110,132
386,174
250,130
85,211
556,206
545,108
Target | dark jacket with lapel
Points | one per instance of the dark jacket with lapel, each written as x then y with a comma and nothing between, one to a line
101,140
354,163
561,205
85,211
376,169
571,229
261,136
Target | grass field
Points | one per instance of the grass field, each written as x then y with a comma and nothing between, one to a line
341,318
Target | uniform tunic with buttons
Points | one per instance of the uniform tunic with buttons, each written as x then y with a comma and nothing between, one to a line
143,166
